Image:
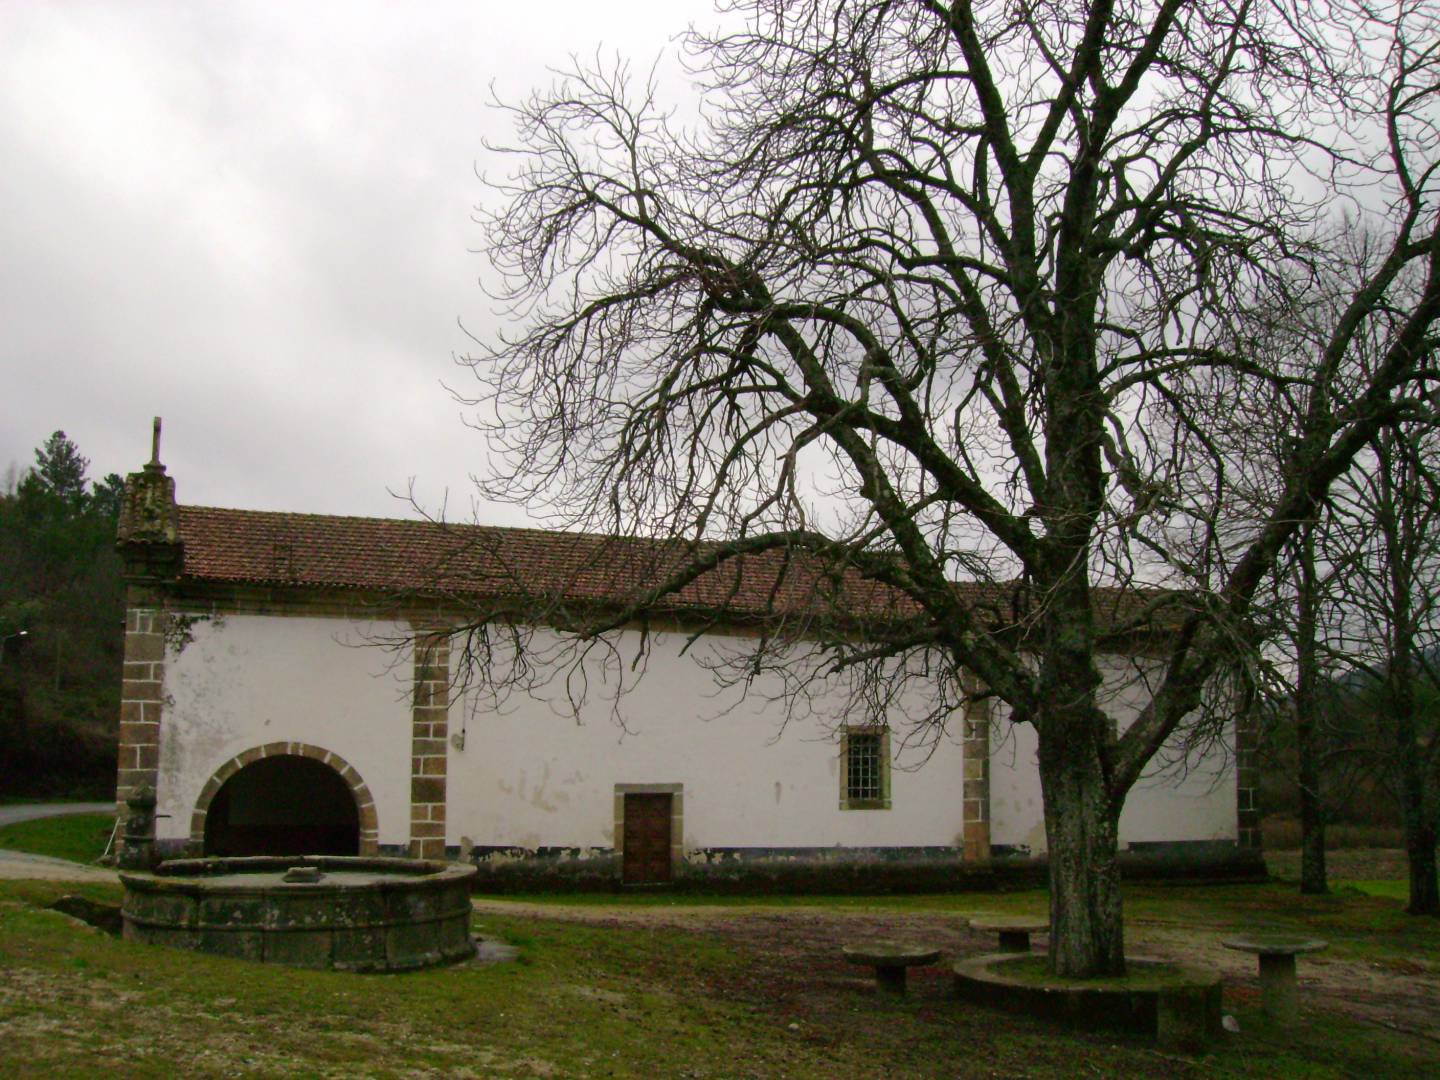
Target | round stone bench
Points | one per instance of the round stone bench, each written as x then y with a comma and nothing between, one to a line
1014,930
1277,954
890,959
1177,1004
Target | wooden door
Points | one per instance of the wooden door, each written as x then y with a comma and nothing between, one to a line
646,859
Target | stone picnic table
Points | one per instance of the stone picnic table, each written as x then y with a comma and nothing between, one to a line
1277,954
1014,930
890,959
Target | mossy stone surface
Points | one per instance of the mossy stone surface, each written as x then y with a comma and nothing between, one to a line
1021,984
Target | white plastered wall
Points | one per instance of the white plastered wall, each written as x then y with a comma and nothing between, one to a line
241,681
1176,799
531,776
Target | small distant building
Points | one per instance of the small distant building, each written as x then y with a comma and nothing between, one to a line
292,684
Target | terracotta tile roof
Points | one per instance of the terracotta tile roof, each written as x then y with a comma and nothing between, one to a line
473,562
470,561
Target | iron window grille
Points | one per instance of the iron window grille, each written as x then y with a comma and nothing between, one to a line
865,768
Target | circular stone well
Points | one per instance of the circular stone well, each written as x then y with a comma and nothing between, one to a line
315,911
1011,981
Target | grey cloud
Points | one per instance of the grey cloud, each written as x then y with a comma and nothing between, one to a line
254,220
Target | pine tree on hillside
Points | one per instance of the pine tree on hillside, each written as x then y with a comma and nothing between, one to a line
60,469
61,584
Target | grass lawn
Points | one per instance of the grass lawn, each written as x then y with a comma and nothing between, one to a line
697,989
72,796
1394,890
77,837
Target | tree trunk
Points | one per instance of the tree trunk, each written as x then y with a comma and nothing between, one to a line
1313,879
1419,823
1413,763
1398,503
1424,886
1082,830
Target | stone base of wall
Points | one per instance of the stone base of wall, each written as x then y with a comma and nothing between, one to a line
518,870
847,871
1198,862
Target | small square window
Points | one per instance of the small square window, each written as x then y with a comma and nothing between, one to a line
865,768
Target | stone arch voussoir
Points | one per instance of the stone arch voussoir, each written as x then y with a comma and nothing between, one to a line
364,801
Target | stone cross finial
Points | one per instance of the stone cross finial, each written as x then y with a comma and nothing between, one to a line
149,526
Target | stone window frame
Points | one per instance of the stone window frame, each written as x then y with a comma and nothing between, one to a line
882,803
677,815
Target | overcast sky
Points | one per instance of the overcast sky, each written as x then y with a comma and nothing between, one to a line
254,220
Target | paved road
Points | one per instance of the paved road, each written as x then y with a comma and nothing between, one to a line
14,864
9,815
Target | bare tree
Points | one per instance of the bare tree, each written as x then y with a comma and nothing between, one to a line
1389,639
1348,625
924,296
1307,614
1297,614
1306,710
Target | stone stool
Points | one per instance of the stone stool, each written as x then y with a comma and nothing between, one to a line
890,959
1014,930
1277,954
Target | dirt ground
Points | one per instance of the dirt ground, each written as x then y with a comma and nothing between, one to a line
795,951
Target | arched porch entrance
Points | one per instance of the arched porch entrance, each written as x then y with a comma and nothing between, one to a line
285,799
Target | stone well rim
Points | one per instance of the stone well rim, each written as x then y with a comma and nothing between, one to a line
382,915
187,875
